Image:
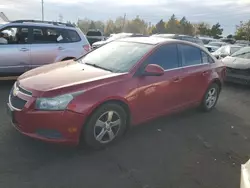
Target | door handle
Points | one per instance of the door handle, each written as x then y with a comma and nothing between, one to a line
24,49
177,79
61,48
205,73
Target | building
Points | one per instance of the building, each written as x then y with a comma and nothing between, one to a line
3,18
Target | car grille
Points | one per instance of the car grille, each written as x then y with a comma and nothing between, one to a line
15,101
22,90
245,72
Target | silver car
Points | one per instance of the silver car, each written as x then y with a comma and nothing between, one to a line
31,44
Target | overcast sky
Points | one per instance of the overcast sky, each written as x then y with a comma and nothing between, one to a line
227,12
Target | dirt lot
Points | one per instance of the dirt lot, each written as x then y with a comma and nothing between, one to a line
191,150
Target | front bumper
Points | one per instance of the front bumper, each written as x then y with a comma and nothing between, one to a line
60,127
237,78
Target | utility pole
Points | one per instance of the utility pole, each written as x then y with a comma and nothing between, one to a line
124,20
42,12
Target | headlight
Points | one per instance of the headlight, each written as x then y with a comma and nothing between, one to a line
56,103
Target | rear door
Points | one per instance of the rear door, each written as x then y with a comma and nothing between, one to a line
44,48
197,70
15,56
159,94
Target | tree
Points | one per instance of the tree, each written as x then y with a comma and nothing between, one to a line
84,25
204,29
173,25
243,31
99,25
216,30
92,25
109,27
186,27
230,36
160,27
136,25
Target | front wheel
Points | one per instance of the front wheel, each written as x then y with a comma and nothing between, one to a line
105,125
211,97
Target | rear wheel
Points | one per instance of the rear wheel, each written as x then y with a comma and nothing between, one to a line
105,125
211,97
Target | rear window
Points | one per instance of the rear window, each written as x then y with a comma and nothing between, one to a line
94,33
73,36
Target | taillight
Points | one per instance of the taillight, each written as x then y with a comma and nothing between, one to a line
87,47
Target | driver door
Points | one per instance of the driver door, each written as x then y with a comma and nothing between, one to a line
160,94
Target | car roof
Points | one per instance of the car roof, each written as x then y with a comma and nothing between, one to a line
158,40
38,24
146,40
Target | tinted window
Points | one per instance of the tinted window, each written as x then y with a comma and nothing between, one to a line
14,35
166,56
47,35
206,58
73,36
94,33
190,55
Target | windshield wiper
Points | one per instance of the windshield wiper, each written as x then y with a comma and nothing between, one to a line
97,66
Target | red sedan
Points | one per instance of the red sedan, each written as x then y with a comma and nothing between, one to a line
126,82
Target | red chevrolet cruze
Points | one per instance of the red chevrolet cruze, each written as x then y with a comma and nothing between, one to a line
125,82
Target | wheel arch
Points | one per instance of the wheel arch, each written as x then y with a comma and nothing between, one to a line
119,101
218,82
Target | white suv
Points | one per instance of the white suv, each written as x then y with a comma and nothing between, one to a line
31,44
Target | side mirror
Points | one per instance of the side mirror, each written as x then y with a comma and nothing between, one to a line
153,70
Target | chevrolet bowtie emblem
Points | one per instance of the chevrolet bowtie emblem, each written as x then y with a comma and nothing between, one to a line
15,91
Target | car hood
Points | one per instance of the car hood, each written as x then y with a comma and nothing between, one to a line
236,63
60,75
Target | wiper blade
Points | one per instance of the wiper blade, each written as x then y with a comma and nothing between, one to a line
97,66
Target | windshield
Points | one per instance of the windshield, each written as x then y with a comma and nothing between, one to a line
215,44
235,49
242,53
117,56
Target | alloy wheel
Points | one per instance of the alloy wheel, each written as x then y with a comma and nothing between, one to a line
211,98
107,127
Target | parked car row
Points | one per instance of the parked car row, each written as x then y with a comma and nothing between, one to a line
98,96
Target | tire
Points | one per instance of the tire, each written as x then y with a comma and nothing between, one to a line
97,132
205,104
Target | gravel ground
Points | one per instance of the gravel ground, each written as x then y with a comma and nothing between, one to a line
191,150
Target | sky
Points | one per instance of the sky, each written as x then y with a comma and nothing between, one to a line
227,12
